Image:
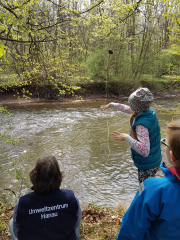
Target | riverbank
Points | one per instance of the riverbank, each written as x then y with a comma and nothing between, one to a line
97,223
7,98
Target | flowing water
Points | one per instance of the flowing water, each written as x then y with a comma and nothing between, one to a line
96,167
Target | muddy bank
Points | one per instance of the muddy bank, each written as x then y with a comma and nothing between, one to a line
7,98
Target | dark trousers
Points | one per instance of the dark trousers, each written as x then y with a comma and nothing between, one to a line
144,174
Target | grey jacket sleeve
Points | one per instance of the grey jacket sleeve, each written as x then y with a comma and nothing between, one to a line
78,213
15,224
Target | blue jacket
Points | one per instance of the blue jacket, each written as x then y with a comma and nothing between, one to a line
154,214
50,215
149,120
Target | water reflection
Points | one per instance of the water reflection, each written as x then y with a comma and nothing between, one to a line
97,167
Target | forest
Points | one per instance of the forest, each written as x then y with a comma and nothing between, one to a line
54,48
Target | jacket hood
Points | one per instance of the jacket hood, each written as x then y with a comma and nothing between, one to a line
175,172
171,172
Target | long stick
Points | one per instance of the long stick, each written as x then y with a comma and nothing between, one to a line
107,68
107,76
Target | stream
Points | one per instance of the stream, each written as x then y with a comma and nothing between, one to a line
96,167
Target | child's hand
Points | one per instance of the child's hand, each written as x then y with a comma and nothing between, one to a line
119,136
106,106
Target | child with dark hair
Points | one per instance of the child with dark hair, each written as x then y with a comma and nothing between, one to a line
144,138
48,212
154,212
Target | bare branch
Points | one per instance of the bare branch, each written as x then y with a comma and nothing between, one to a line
8,189
133,11
21,41
67,20
177,22
55,24
9,10
91,8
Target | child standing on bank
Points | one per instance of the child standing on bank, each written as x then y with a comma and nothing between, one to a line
144,138
154,212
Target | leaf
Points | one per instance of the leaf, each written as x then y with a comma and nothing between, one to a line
2,50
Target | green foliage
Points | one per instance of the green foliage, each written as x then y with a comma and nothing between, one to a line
96,64
95,206
19,174
18,167
2,50
38,56
51,46
166,63
174,112
5,136
121,207
18,171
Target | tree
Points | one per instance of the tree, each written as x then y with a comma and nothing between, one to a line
49,43
40,44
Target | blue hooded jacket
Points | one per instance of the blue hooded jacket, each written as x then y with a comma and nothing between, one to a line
149,120
154,214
